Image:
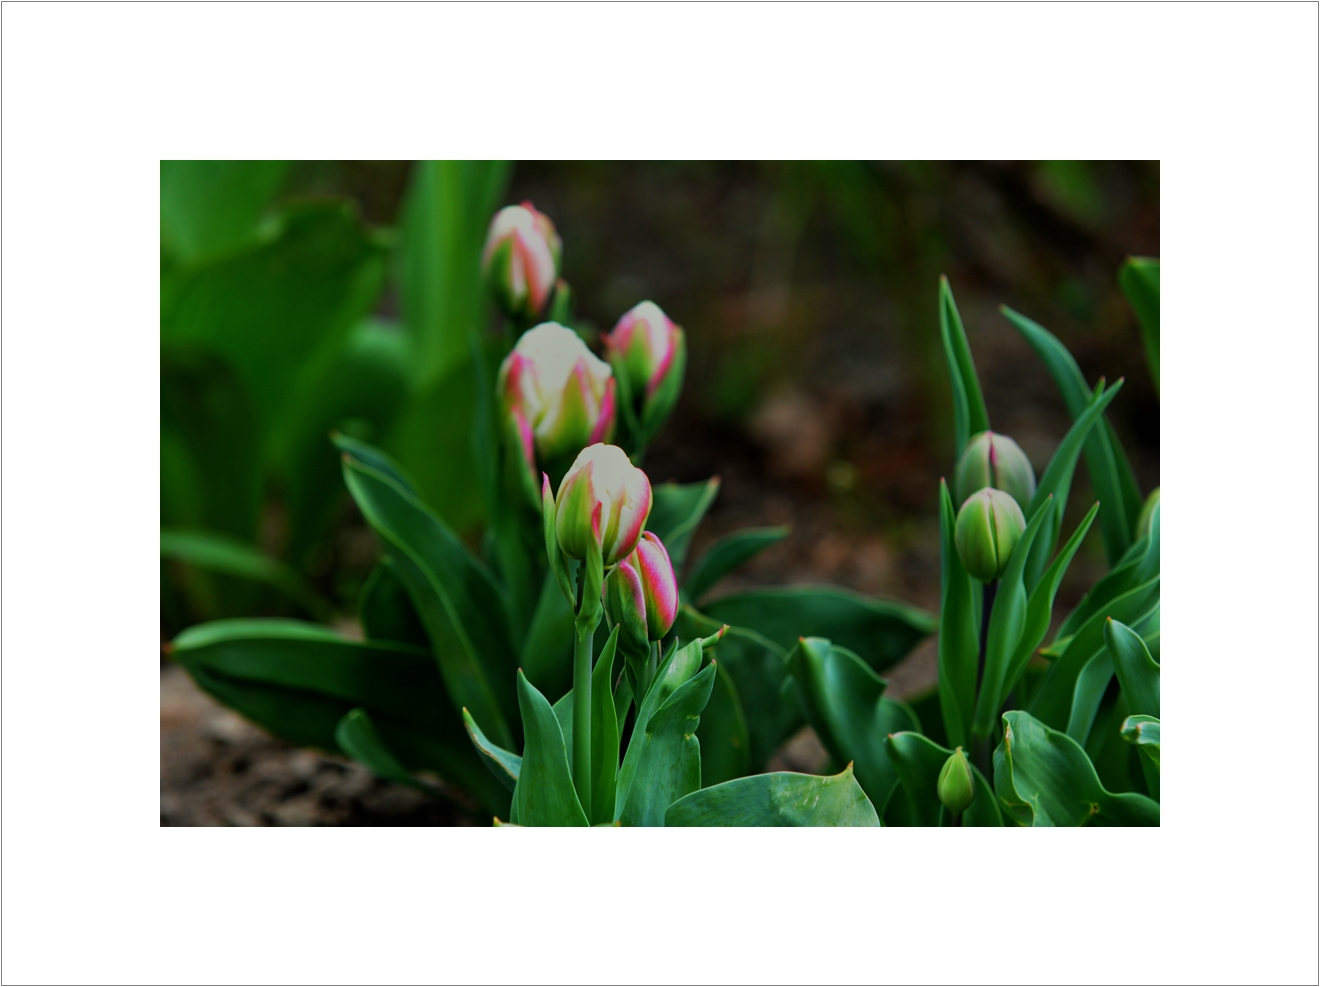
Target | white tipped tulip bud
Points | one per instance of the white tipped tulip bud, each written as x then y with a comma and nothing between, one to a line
649,351
641,595
602,489
988,528
994,460
521,260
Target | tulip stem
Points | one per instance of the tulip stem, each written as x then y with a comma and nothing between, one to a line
981,751
582,645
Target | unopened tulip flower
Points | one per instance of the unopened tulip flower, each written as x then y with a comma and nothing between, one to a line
602,478
650,352
641,595
556,394
521,260
956,787
993,460
988,528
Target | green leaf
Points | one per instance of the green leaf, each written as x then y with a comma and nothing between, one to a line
504,765
725,745
378,460
544,794
387,612
547,651
676,510
969,414
1093,683
1007,619
358,738
209,208
917,761
1056,481
1139,565
727,554
668,764
844,703
1139,277
1144,732
1138,674
604,734
455,596
1111,474
781,798
218,553
1044,778
880,631
1053,701
959,642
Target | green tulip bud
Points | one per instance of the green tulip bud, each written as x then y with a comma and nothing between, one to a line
1147,512
986,532
956,786
993,460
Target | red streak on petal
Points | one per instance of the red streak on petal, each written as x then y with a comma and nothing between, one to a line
605,420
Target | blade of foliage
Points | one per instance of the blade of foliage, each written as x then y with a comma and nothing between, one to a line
676,510
725,746
958,644
759,672
219,553
1053,701
604,735
1111,474
544,794
1093,685
1007,619
1138,675
387,612
1139,277
379,460
969,414
1144,732
547,651
917,761
844,703
208,208
504,765
727,554
781,798
880,631
456,598
1139,565
668,764
358,738
1044,778
1056,481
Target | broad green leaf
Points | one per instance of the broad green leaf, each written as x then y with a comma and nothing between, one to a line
880,631
358,738
758,671
219,553
969,414
504,765
781,798
917,761
725,745
1138,675
457,599
1044,778
676,510
1140,564
844,703
1139,277
544,794
386,611
208,208
604,735
727,554
1053,701
1057,480
1111,474
1144,732
668,764
958,643
1008,616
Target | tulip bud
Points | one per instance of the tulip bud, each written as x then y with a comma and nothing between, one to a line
1147,512
987,530
602,478
649,352
641,595
993,460
557,396
956,786
521,260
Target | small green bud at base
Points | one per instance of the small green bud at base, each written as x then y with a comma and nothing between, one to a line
988,528
956,787
994,460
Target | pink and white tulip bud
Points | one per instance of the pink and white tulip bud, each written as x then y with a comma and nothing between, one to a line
602,479
648,350
641,595
521,260
556,394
